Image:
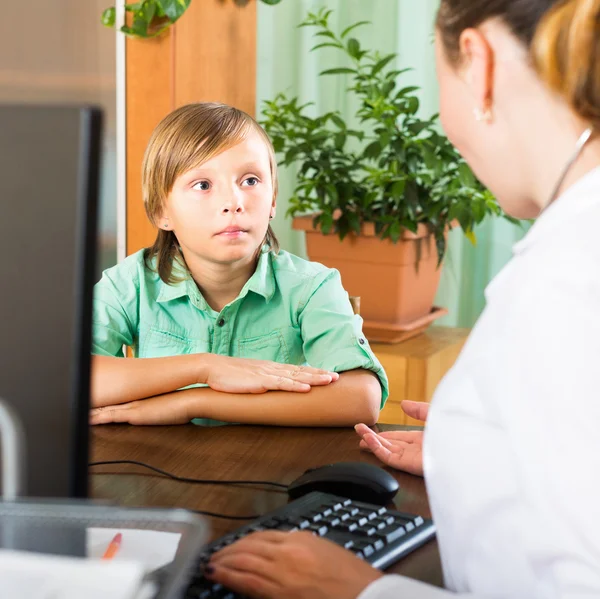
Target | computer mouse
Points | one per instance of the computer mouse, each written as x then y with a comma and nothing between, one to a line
354,480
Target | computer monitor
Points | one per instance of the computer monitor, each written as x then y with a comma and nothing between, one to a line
49,164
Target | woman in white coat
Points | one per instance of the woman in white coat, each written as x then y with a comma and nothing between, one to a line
511,450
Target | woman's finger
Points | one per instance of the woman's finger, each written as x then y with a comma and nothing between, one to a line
415,409
264,544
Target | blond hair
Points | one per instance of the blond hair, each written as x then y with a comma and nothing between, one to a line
183,140
566,54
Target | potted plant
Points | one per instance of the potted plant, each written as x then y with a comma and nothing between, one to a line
149,18
376,199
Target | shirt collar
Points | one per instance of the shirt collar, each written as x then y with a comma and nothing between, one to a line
566,209
262,282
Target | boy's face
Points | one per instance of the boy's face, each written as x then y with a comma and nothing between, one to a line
220,211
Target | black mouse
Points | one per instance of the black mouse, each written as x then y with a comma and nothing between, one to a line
354,480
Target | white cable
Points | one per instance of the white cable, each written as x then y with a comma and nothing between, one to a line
13,453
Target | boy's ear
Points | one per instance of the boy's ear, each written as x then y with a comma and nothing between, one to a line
163,221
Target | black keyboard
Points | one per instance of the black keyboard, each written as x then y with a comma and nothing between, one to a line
373,533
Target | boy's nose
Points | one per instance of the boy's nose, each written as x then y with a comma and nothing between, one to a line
234,203
235,208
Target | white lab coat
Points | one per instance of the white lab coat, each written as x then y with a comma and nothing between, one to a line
512,446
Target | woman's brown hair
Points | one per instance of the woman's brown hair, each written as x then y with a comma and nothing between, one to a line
563,38
183,140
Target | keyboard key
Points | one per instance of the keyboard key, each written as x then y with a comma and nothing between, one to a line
347,502
368,550
391,535
318,529
271,522
409,526
333,522
381,511
379,545
419,521
337,506
348,544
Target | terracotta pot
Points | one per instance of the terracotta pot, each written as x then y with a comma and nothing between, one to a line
396,282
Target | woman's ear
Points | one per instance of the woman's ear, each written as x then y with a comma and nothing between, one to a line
477,57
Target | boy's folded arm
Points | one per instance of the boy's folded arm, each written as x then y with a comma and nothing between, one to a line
355,397
122,380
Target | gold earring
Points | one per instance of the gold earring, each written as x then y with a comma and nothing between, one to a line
483,115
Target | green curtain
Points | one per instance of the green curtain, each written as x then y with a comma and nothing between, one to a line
285,64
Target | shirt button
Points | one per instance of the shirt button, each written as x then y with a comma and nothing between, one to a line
221,322
361,341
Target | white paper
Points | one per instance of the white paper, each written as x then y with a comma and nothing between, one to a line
25,575
151,548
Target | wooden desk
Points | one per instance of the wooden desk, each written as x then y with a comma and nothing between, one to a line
238,452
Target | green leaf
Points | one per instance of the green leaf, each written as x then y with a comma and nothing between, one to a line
173,9
140,26
327,45
339,121
340,140
398,188
382,64
271,2
338,71
353,47
372,150
471,236
326,222
352,27
465,176
326,34
407,90
108,17
147,11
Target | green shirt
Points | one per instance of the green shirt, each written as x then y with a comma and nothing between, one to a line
290,311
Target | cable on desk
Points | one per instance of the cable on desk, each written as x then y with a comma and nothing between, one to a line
225,516
184,479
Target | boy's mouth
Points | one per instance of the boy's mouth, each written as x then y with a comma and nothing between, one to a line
232,231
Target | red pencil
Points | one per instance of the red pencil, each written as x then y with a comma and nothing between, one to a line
113,546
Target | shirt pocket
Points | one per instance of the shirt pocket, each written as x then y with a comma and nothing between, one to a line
265,347
156,343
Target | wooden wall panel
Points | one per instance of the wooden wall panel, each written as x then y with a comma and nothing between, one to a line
209,55
149,98
215,46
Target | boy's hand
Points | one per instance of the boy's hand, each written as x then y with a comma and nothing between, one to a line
241,375
167,409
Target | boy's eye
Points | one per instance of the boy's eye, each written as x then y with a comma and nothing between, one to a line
250,182
201,186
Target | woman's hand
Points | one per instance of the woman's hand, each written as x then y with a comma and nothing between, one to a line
402,450
241,375
172,408
297,565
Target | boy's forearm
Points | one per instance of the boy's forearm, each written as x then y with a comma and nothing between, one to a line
121,380
355,397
